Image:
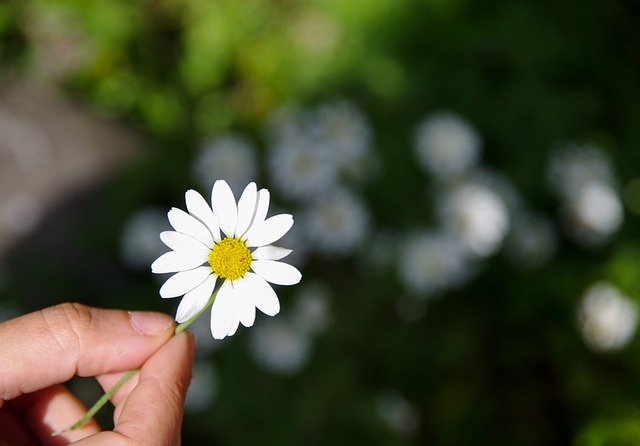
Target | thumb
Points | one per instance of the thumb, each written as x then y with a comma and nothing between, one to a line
50,346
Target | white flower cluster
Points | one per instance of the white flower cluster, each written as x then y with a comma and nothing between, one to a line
478,212
317,158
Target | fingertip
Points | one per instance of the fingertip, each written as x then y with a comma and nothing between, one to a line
150,323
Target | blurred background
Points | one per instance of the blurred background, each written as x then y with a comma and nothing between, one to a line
464,175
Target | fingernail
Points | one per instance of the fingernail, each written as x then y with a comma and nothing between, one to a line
149,323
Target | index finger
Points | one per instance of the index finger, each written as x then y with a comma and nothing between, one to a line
48,347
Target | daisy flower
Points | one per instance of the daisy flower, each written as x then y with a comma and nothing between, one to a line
447,145
230,243
607,318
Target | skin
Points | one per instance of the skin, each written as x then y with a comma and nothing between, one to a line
41,350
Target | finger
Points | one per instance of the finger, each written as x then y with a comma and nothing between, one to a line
51,410
50,346
159,395
152,413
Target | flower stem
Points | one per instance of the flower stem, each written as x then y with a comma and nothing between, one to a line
109,393
101,402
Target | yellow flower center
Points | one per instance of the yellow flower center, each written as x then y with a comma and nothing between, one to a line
230,258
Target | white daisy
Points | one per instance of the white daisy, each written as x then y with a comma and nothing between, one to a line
345,131
232,242
432,262
302,168
607,318
478,215
337,223
302,165
447,145
595,213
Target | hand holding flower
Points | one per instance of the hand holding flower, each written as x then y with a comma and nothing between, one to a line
43,349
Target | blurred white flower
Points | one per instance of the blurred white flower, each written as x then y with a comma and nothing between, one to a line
301,169
532,240
432,262
203,387
345,132
583,179
477,215
574,166
336,223
280,347
232,242
447,145
607,318
139,242
311,310
227,157
595,213
399,413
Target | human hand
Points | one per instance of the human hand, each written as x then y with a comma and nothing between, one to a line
40,350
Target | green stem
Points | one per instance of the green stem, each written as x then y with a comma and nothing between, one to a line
101,402
109,393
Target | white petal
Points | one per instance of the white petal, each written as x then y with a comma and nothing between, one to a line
195,300
224,206
262,206
270,252
184,243
223,311
276,272
174,261
269,231
248,314
246,307
265,299
184,281
198,207
246,209
185,223
234,326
